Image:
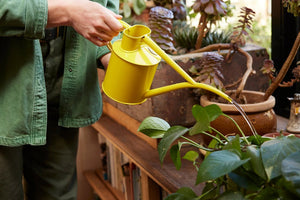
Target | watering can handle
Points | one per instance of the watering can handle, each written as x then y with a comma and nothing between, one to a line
125,25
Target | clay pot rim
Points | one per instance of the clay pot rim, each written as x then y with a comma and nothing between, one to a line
249,108
276,134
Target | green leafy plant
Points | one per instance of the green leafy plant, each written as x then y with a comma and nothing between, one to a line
293,6
127,6
185,36
234,167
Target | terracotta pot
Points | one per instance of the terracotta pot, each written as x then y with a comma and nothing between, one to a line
274,135
260,114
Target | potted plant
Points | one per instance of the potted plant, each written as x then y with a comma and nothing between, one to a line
267,116
208,69
231,167
160,19
177,110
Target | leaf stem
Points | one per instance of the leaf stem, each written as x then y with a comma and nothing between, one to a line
214,137
207,192
218,132
195,144
248,143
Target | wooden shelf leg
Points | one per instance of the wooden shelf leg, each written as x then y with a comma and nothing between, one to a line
150,190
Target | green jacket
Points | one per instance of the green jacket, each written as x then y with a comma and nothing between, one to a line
23,104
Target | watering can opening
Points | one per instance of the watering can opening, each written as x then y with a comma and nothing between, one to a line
132,37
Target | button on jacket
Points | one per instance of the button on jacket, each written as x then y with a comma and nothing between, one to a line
23,104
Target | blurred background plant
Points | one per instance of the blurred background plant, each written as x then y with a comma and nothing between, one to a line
218,28
131,7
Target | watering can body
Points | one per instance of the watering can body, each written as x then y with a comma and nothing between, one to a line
132,66
130,73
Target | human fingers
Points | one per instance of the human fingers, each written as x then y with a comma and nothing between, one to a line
111,27
114,22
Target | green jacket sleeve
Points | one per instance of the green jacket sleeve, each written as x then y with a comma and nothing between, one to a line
26,19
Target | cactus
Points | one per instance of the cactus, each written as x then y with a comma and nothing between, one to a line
160,22
209,71
185,36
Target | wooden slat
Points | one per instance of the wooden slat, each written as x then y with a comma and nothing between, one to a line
118,194
146,157
150,189
99,187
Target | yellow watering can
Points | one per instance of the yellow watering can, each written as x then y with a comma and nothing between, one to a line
132,67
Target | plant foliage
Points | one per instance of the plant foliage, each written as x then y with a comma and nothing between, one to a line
235,167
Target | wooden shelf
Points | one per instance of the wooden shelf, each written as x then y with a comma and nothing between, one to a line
146,157
101,187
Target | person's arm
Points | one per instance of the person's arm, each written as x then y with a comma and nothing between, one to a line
104,60
23,18
90,19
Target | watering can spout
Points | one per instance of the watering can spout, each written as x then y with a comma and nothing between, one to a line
132,67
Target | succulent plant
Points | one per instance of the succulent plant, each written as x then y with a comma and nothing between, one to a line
179,10
241,30
210,10
162,3
269,69
293,6
209,71
215,37
185,36
160,22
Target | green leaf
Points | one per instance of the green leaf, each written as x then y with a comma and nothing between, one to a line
126,9
200,114
154,127
217,164
199,127
175,156
243,181
184,193
232,196
209,191
256,162
207,113
213,111
267,193
203,116
191,156
139,6
169,137
274,151
290,168
234,145
212,145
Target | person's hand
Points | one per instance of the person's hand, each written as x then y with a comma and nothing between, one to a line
90,19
